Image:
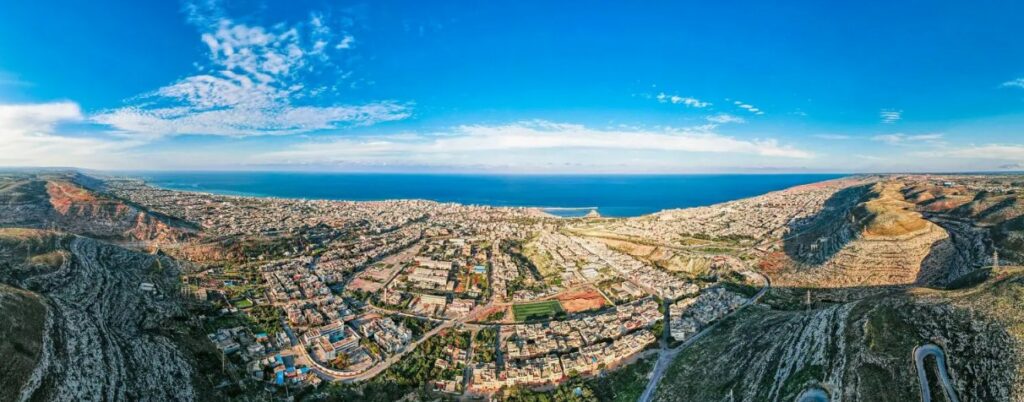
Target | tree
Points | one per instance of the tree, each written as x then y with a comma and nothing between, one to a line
341,362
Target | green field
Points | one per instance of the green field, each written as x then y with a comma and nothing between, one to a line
536,310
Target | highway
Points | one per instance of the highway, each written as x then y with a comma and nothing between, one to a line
920,353
667,355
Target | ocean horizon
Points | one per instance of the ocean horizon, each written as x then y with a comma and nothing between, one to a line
563,195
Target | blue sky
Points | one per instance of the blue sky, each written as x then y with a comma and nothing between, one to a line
521,86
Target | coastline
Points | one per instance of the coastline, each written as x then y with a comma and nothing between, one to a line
617,196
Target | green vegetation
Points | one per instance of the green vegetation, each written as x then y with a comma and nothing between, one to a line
888,334
266,319
496,316
416,325
485,344
537,310
257,319
622,385
412,374
743,289
658,329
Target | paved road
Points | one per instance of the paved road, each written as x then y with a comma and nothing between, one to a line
920,353
667,355
331,374
813,395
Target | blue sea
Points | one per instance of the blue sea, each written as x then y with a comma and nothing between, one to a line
563,195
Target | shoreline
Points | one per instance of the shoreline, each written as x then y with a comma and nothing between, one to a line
610,198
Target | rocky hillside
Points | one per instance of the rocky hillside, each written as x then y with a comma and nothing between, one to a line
22,318
879,240
104,338
991,204
862,350
61,201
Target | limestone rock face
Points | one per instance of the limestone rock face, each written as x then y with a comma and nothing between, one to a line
101,339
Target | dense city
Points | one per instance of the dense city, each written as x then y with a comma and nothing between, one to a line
339,292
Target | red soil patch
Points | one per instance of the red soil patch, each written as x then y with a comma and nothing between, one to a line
582,300
364,285
774,263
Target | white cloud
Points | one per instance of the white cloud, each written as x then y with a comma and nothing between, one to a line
346,42
240,122
28,137
748,107
1016,83
254,83
890,116
723,118
1013,152
676,100
900,138
525,143
832,136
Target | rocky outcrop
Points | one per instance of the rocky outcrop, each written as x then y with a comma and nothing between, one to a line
858,351
103,338
881,241
59,202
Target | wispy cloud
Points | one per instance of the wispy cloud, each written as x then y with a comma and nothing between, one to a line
890,116
748,107
524,143
683,100
902,139
29,137
724,118
832,136
1012,152
1015,83
257,81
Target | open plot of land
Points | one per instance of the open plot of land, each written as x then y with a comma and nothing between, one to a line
581,300
536,310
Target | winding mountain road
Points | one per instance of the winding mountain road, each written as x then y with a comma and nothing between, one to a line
920,353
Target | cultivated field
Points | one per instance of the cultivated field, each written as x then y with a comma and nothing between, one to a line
536,310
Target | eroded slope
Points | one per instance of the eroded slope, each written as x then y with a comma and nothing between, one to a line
862,350
104,337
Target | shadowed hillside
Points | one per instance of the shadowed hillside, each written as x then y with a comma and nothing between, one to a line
874,239
22,321
105,338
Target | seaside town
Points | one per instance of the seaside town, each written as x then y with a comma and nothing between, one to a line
253,298
312,292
